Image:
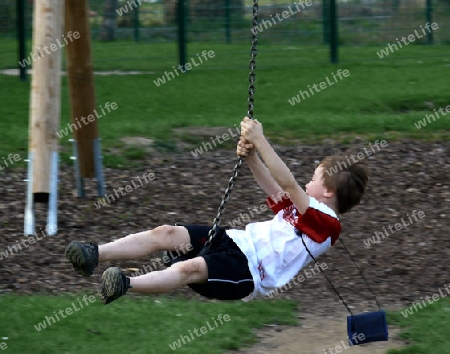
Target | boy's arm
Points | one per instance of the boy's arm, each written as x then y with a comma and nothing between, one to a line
263,176
282,175
252,132
259,171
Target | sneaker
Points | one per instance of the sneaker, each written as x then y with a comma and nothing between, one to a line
84,257
114,285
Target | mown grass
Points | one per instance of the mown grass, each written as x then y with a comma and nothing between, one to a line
379,99
426,331
133,325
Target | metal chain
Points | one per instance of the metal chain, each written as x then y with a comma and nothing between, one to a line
331,284
361,274
251,100
326,276
252,64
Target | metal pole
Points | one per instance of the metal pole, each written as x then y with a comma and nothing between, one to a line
326,22
333,32
21,37
136,24
182,32
227,21
52,213
29,217
395,5
429,14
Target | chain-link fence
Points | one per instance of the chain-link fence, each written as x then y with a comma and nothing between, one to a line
144,34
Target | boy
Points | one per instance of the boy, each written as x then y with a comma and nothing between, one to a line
240,264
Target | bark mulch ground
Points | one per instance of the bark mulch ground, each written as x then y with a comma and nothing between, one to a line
405,265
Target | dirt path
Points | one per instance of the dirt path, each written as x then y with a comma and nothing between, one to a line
316,335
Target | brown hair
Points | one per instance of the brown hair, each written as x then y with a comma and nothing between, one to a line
347,178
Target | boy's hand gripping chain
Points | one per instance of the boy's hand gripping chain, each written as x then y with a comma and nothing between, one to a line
251,92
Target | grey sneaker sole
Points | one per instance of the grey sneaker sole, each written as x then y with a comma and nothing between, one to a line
75,252
112,285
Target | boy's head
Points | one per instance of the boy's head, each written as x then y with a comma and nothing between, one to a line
340,178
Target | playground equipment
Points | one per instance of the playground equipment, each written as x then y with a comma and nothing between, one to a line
86,145
45,106
44,115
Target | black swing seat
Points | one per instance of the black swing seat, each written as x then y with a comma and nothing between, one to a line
367,327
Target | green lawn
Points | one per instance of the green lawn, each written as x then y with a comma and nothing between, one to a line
427,330
381,98
143,325
152,324
157,56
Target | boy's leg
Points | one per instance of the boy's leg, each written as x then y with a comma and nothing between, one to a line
115,284
162,238
85,257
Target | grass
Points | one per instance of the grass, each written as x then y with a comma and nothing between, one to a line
380,99
150,324
426,331
133,325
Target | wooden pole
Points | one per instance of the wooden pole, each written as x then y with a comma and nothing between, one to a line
45,102
81,84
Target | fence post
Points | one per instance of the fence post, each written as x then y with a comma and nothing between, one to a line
395,5
227,21
21,37
333,32
182,32
136,24
326,22
429,14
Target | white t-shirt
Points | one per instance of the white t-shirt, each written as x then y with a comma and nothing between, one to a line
275,252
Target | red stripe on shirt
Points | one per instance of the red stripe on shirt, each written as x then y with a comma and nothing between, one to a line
317,225
278,205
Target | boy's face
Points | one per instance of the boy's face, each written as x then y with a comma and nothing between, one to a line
315,187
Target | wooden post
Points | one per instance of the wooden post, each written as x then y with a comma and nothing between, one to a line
45,102
81,84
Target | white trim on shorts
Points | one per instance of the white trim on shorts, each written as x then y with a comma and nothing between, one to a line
231,281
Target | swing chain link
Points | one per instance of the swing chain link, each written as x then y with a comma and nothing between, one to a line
252,64
251,93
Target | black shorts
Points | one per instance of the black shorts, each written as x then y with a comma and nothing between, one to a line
229,277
